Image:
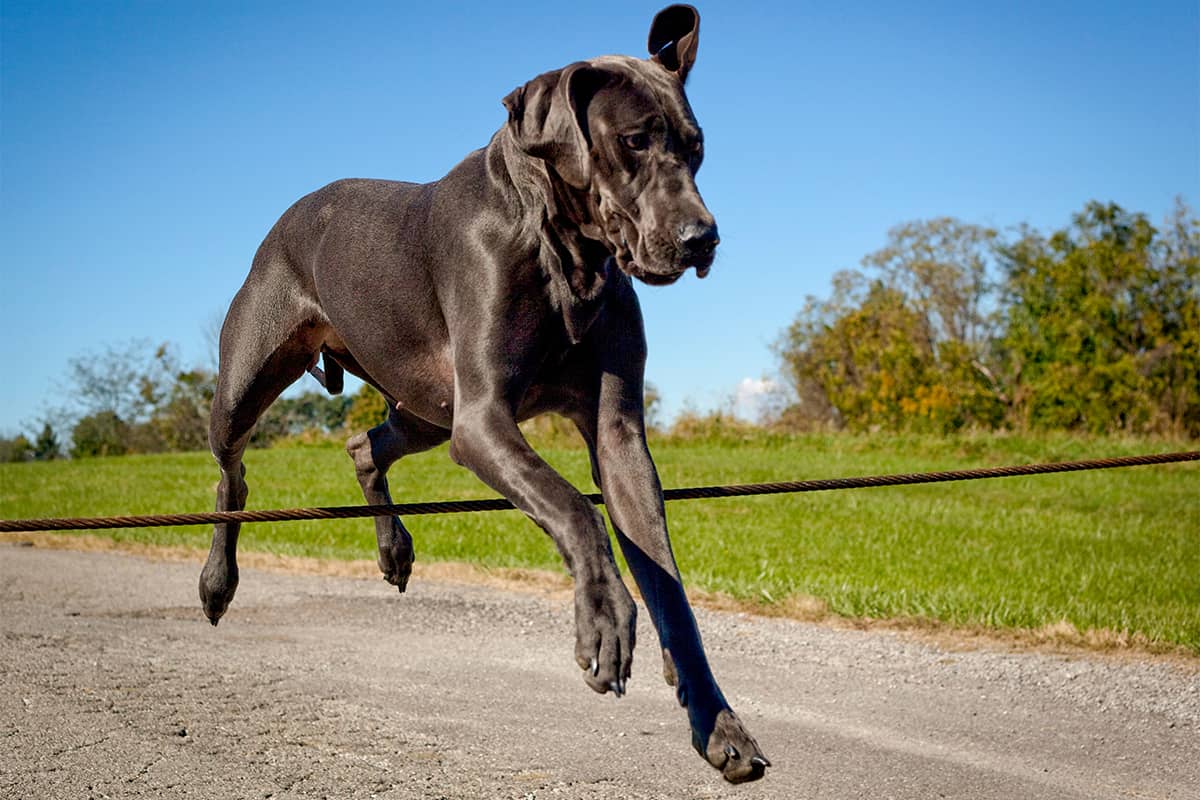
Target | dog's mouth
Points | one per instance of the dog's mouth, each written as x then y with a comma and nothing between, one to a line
657,278
665,278
624,257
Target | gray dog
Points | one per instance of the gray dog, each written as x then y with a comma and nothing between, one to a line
497,293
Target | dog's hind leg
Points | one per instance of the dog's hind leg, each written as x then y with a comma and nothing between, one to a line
373,452
267,342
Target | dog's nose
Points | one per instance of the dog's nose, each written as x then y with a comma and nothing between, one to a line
698,238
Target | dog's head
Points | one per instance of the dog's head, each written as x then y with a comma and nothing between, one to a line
618,136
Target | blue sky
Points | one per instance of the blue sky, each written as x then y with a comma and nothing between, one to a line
147,147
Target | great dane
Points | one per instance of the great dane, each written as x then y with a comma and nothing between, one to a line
500,292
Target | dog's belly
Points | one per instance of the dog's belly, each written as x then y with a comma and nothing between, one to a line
423,387
418,376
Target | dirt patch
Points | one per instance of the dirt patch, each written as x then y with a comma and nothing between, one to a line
1060,638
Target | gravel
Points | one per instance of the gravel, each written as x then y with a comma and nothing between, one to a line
112,684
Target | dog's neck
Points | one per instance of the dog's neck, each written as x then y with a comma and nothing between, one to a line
570,246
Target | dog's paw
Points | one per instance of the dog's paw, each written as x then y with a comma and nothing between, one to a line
733,751
217,586
396,556
605,625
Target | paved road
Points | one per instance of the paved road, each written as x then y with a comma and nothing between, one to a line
113,685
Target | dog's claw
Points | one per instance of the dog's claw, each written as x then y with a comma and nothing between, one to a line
760,762
731,752
595,667
217,586
669,674
400,582
397,569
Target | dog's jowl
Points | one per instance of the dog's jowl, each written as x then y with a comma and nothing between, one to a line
499,292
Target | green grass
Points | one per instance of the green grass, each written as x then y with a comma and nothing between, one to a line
1116,550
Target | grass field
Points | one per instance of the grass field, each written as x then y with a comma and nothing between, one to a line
1116,551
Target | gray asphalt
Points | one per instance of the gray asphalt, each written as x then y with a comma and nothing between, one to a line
113,685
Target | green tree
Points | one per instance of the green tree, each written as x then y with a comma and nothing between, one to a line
870,355
943,269
15,450
367,409
114,391
310,411
180,416
1101,324
141,393
47,446
100,434
124,379
1094,328
1173,365
907,343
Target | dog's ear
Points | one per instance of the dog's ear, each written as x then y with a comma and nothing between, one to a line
548,119
674,37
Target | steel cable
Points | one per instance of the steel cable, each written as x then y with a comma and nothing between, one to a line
500,504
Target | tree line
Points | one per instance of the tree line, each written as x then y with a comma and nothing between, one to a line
137,398
1092,328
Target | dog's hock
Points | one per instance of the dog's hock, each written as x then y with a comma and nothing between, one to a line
674,37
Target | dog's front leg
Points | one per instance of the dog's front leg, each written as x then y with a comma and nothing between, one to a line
633,496
487,441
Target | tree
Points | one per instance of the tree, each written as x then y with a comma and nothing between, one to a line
124,379
142,394
100,434
872,357
367,409
310,411
1102,320
941,267
47,447
1094,328
180,417
906,342
652,401
114,392
1174,363
15,450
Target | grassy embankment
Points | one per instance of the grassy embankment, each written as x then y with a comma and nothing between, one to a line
1116,551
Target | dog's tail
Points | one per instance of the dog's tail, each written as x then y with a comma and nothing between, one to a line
332,377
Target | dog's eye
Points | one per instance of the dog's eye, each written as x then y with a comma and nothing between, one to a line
636,141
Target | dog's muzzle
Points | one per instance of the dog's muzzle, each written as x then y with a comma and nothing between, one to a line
695,247
665,261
